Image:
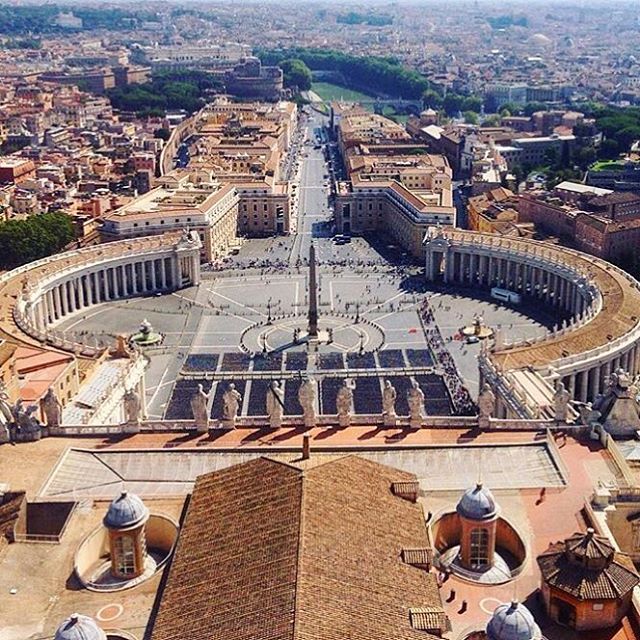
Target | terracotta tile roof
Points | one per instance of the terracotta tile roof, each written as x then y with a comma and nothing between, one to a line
587,567
272,551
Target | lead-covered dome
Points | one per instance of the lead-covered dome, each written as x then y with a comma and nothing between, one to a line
127,510
477,503
513,621
79,627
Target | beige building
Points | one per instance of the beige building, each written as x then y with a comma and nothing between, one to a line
246,145
193,200
394,185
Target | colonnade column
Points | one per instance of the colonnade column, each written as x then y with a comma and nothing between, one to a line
163,273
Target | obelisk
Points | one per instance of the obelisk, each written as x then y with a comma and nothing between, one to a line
312,328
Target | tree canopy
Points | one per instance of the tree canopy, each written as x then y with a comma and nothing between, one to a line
35,237
382,76
168,90
296,74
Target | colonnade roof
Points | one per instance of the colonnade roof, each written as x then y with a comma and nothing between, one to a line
11,288
617,317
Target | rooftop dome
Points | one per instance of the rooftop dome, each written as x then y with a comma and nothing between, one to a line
512,621
126,510
78,627
540,39
477,503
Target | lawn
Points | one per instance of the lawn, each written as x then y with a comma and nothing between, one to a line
329,92
607,165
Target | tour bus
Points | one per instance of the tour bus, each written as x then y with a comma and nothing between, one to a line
504,295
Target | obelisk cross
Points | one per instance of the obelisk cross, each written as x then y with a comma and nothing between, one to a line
312,329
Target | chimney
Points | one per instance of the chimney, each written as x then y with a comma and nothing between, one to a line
306,447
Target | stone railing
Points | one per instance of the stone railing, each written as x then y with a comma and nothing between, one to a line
358,420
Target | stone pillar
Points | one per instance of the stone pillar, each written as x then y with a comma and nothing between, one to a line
95,288
134,278
51,312
195,270
143,275
606,372
71,291
81,299
572,386
153,275
594,382
123,281
163,273
106,285
56,302
64,301
584,386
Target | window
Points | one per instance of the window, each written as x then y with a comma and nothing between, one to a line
635,536
124,551
479,551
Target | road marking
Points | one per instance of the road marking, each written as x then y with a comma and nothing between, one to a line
244,306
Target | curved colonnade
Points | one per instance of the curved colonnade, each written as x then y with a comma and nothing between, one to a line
603,302
47,290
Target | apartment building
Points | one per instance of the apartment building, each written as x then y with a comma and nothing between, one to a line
394,185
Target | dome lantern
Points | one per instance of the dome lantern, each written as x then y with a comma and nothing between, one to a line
512,621
79,627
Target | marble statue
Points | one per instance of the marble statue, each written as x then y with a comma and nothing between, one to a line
486,405
590,417
415,399
275,404
199,402
132,407
26,427
52,408
561,400
307,400
231,400
6,414
344,403
389,396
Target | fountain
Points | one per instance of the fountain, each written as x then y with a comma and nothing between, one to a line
146,336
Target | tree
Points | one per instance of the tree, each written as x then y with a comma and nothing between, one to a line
609,149
531,107
432,99
374,74
163,133
492,121
509,109
585,156
472,103
452,103
296,74
23,241
470,117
